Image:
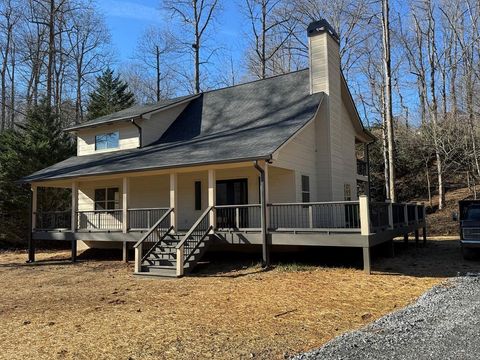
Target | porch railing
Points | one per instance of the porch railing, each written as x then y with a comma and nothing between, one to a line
53,220
100,220
398,214
238,216
379,218
315,215
411,213
144,218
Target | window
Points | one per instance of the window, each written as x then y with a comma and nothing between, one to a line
198,195
106,199
305,188
347,192
106,141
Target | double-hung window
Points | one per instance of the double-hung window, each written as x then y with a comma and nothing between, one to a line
107,141
107,199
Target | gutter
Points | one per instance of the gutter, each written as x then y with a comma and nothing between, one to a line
139,132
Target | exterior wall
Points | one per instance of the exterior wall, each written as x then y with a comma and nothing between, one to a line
187,215
154,126
299,154
149,192
128,138
281,183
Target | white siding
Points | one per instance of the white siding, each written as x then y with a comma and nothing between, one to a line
299,155
154,126
128,138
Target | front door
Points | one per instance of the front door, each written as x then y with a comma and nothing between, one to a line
232,192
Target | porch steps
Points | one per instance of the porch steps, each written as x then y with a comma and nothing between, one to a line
162,261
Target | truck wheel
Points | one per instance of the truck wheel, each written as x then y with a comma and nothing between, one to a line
468,254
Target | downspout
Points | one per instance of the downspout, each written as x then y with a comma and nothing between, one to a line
139,132
263,217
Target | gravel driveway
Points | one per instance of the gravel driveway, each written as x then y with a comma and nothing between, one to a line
443,324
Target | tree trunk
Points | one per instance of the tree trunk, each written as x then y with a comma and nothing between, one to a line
388,100
51,50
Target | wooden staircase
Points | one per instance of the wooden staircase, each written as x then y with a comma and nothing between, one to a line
171,254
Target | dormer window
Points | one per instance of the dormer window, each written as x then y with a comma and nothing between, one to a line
106,141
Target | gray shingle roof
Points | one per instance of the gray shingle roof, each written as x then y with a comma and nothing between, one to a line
130,113
244,122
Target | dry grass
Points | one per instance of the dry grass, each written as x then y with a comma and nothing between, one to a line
98,310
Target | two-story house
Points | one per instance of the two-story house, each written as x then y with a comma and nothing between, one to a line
269,162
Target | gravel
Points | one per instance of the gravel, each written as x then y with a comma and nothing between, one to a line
444,323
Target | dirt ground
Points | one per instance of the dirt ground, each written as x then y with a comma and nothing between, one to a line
96,309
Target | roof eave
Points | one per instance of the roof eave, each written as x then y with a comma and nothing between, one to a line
26,180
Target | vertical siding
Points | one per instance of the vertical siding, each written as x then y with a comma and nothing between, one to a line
128,138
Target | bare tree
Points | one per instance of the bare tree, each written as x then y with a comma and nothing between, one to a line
153,48
196,16
388,98
87,39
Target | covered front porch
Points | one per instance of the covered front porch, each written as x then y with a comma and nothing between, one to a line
171,216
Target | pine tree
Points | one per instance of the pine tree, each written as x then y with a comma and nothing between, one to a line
34,145
111,95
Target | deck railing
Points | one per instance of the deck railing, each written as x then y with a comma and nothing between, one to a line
411,213
238,216
111,220
379,218
315,215
398,214
144,218
53,220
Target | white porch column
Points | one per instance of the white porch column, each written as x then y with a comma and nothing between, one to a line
212,196
125,185
364,215
74,205
174,200
34,206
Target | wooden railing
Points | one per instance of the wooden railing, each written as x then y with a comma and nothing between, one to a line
193,239
398,214
53,220
238,216
100,220
144,218
160,229
315,215
379,216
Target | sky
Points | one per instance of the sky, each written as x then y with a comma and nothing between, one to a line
128,19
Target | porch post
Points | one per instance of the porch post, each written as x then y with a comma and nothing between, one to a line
74,219
125,185
212,196
263,214
174,200
33,210
364,215
34,207
74,206
267,197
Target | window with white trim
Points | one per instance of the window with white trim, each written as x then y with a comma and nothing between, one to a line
107,199
107,141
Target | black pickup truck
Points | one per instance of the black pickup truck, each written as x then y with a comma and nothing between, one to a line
469,220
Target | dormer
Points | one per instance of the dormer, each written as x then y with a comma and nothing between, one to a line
131,128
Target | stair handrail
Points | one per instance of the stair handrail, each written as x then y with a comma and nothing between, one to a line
194,227
181,259
152,229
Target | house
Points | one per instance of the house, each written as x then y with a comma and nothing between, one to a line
271,162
